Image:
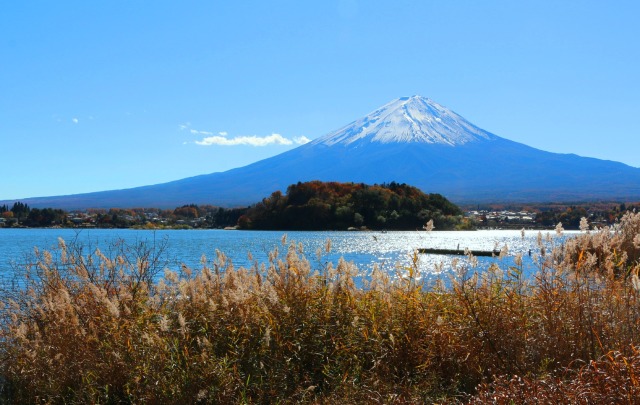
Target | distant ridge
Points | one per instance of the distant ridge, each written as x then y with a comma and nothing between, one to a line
410,140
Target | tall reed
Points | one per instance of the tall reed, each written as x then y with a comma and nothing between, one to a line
83,326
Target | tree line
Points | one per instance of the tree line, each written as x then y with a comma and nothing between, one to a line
598,214
20,213
314,205
191,216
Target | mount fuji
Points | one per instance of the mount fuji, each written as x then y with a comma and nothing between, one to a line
410,140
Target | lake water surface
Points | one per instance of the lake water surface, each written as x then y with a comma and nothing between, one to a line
389,250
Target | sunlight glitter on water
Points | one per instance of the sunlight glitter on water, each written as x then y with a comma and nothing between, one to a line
394,250
389,250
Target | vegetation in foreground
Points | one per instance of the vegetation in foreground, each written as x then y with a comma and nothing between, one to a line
93,327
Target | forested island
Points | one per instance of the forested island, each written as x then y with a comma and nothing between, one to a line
317,205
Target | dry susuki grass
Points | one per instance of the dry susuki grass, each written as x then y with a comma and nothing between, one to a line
95,328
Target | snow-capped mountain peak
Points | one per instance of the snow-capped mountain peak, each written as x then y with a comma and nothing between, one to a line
407,120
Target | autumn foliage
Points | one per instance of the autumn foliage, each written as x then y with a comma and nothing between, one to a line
317,205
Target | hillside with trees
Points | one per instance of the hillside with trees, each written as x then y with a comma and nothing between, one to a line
317,205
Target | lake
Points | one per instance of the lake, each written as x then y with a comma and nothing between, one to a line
389,250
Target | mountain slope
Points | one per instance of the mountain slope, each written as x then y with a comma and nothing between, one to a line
412,140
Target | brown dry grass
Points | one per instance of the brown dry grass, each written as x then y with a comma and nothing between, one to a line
95,328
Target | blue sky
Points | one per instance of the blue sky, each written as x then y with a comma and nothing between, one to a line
105,95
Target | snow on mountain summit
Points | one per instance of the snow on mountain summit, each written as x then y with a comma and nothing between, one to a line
407,120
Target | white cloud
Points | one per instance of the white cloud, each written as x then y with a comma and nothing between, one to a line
75,120
301,140
196,132
253,140
222,138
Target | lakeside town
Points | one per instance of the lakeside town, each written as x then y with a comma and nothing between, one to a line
211,217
